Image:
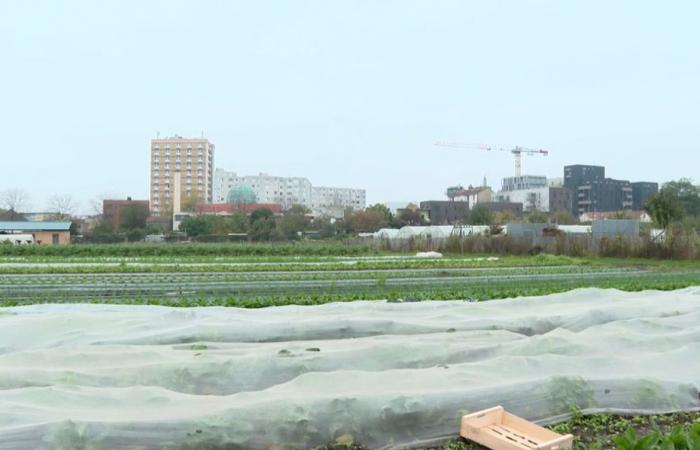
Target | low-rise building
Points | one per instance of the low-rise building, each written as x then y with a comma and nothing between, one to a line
224,209
473,196
445,212
113,210
43,233
545,199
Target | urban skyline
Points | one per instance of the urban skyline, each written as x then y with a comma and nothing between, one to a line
307,95
210,169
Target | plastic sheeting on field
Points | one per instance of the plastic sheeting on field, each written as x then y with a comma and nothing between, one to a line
386,374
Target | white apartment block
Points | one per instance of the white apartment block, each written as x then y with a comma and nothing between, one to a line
288,191
533,199
332,201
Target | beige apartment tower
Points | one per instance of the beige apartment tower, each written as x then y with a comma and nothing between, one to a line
193,159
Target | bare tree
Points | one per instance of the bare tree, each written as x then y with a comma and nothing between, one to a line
96,203
14,199
62,206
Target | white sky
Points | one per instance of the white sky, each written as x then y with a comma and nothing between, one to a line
346,93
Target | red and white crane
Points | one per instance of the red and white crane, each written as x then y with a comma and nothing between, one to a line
516,151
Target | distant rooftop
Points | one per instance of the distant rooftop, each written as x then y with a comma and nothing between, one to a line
177,137
34,226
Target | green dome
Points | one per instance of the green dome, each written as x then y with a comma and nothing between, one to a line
241,195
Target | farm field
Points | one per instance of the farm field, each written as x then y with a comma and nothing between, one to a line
602,432
273,279
174,351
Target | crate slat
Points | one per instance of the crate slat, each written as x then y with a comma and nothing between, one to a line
498,429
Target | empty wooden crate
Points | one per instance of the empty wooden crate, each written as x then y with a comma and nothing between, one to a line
499,430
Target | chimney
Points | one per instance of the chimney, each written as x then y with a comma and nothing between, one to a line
177,181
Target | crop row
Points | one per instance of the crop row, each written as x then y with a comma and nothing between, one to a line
260,296
189,249
205,277
360,264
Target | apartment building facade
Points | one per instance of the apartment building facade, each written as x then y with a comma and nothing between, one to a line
642,191
193,160
544,199
333,201
593,192
523,182
289,191
284,191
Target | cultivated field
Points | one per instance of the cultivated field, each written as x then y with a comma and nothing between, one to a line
250,276
203,367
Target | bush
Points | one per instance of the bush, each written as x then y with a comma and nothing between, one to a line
319,248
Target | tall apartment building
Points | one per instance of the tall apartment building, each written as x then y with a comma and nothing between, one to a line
193,159
288,191
642,191
592,192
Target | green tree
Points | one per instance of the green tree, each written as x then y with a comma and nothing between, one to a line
218,225
135,234
152,228
326,229
261,214
239,223
133,216
665,208
262,225
480,215
294,221
103,227
410,217
191,202
504,217
195,226
537,217
104,232
384,210
368,221
564,217
687,194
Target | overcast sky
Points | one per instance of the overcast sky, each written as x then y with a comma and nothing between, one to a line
346,93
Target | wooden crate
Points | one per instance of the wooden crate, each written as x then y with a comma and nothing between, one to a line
499,430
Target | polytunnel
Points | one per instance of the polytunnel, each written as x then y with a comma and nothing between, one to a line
386,375
436,232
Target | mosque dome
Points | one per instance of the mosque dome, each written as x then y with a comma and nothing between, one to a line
241,195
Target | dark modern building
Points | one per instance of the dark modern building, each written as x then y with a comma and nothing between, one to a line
579,175
445,212
560,199
642,191
448,212
592,192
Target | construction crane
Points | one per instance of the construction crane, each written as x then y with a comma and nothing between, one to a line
516,151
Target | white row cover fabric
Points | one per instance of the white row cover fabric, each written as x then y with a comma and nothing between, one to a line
388,375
